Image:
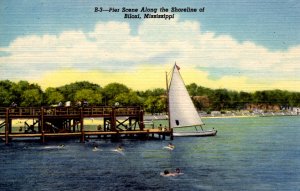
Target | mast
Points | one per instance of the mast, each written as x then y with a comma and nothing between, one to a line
168,108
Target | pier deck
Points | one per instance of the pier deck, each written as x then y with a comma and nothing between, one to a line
66,122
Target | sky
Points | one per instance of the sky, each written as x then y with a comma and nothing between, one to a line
238,45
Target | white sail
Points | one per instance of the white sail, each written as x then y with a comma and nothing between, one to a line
182,111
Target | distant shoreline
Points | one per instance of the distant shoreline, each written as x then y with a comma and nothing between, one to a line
148,117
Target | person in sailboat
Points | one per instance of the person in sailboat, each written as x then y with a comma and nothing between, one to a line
160,127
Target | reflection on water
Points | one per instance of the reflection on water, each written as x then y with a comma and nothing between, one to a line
247,154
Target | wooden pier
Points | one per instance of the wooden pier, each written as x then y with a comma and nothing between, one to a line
47,122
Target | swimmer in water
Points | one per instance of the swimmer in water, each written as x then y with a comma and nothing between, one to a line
120,148
95,148
168,173
178,171
171,145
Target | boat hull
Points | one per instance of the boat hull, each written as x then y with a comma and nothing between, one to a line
196,133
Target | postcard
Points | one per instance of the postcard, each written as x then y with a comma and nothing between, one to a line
108,73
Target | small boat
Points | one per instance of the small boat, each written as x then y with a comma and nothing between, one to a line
181,110
196,133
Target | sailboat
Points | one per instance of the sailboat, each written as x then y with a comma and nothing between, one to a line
181,110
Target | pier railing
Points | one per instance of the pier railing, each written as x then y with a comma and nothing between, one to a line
2,112
91,111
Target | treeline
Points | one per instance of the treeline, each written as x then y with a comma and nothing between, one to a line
24,93
223,99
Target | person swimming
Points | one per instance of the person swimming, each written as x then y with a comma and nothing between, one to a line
120,148
168,173
95,148
178,171
171,145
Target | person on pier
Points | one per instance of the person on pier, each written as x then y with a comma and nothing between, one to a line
13,104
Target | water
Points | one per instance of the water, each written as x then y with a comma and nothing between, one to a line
260,153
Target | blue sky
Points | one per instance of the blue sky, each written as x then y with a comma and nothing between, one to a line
254,41
271,23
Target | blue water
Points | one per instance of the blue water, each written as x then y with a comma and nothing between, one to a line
260,153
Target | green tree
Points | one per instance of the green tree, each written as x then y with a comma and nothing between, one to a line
150,104
162,104
221,99
234,100
155,104
70,90
128,99
201,102
294,100
5,93
27,94
192,89
111,91
154,92
5,97
53,96
18,89
32,97
93,97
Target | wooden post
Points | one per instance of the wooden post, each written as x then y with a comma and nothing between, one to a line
73,125
130,122
147,134
81,126
42,125
141,119
39,124
6,125
113,120
171,134
69,124
113,124
43,136
9,125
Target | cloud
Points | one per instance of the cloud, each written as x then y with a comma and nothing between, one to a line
112,50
